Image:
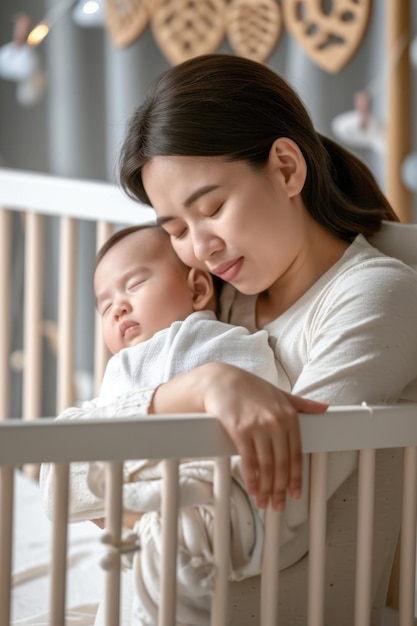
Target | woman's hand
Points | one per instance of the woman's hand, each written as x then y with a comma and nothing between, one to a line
260,419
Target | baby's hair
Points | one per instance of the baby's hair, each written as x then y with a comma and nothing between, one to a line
121,234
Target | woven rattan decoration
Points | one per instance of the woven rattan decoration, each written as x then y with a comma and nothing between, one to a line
330,38
329,32
126,20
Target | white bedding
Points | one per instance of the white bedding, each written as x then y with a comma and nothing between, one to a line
31,561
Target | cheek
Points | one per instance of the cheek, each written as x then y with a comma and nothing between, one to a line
109,336
185,252
182,250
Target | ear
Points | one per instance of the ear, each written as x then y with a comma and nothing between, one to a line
201,286
287,160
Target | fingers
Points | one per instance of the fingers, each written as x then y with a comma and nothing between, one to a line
304,405
271,458
258,463
262,421
247,453
295,461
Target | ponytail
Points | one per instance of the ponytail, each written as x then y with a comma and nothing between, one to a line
350,201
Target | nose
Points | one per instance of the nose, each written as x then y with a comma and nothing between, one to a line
205,244
121,306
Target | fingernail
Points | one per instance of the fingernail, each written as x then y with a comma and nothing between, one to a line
262,503
296,494
278,505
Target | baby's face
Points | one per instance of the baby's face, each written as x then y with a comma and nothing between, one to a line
141,287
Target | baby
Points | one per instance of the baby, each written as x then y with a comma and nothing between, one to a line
150,301
158,319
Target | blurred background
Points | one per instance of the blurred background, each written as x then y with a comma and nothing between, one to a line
74,127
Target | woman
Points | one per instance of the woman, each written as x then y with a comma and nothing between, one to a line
227,155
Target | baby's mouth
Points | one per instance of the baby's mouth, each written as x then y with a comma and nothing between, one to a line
127,326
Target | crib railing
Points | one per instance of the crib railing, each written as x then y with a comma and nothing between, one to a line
34,197
343,428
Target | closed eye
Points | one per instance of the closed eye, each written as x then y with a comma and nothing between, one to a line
104,308
135,284
172,227
175,232
216,211
210,212
179,235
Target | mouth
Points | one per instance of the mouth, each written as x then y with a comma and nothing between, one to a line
127,327
229,270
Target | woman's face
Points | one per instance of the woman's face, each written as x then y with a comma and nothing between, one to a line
241,224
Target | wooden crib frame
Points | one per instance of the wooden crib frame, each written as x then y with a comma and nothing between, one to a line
32,440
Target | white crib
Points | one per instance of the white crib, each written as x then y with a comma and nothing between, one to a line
386,438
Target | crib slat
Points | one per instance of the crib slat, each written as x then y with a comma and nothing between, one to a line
59,545
221,538
66,300
408,538
317,539
167,608
6,541
113,513
32,317
270,570
5,238
365,531
101,353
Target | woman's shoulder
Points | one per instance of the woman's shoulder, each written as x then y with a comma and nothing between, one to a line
368,281
362,262
364,279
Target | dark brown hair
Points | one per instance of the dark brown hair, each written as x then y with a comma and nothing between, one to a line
121,234
226,106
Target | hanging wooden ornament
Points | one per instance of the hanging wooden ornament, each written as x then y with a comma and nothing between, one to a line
187,28
125,20
329,37
253,27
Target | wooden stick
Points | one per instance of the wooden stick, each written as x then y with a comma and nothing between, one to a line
398,20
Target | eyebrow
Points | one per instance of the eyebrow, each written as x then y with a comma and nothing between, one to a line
198,193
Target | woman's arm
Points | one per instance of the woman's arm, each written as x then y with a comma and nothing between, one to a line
260,419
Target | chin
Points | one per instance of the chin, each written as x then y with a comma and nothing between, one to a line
248,290
136,341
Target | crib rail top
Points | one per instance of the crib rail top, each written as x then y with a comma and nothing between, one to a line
195,435
82,199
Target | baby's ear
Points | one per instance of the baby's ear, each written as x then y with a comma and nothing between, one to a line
201,285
